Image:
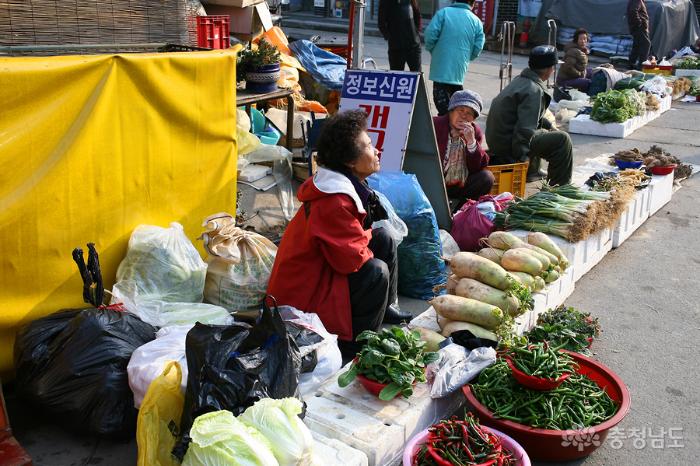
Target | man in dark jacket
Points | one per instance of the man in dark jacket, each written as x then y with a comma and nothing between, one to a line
638,22
516,128
399,23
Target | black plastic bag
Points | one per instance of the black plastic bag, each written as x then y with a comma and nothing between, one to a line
72,365
232,366
304,336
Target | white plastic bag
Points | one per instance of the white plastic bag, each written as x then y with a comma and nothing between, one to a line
449,245
148,361
281,160
164,265
239,261
396,227
165,314
457,366
327,352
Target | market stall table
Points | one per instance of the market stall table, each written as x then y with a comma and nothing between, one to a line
247,99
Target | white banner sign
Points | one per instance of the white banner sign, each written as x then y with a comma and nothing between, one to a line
388,98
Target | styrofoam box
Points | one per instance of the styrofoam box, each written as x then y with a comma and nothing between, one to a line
583,124
661,192
378,428
681,73
560,289
636,213
596,247
331,452
539,308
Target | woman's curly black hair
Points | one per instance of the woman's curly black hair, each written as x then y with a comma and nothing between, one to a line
338,142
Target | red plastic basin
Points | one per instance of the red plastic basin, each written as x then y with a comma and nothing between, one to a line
413,445
665,170
370,385
535,383
556,445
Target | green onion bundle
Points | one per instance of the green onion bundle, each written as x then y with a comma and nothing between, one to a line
572,192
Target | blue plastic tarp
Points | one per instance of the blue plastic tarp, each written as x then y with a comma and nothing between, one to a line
325,67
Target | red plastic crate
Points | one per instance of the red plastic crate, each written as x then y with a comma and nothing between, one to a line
213,32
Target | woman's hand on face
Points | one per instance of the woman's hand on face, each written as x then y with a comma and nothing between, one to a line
468,134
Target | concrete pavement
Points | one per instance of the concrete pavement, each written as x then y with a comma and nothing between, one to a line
645,293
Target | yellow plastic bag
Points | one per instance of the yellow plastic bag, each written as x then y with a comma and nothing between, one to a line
159,418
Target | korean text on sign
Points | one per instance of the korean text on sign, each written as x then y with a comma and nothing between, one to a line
379,86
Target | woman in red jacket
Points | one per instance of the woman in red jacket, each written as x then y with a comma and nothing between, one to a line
330,260
460,142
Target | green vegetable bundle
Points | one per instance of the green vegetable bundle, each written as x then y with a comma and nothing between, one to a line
566,328
689,63
577,403
392,356
617,106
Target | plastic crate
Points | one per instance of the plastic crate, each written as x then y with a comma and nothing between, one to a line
511,177
213,32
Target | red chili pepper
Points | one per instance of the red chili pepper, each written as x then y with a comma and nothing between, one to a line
436,456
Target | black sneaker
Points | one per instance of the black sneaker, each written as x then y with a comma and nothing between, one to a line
536,176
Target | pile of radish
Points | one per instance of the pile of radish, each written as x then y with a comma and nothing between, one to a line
488,289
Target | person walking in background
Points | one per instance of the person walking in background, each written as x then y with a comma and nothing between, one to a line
575,72
399,22
454,37
638,22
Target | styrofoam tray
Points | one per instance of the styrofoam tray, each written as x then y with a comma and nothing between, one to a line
380,429
681,73
330,452
583,124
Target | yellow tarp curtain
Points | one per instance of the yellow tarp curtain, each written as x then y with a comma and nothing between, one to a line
91,147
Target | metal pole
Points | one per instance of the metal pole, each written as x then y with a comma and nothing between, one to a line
505,72
552,40
495,18
358,34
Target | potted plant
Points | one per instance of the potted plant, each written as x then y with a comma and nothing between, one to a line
260,67
390,362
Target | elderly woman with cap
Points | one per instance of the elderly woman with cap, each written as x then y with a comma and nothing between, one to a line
460,143
331,261
516,129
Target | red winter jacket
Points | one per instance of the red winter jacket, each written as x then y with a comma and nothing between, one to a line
477,160
323,244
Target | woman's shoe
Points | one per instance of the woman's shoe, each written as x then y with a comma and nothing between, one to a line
394,315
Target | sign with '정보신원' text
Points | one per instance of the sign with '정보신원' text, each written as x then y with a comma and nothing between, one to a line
388,98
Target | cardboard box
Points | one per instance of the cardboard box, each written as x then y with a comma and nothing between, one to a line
245,20
229,3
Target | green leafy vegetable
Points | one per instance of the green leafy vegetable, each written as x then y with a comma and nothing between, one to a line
567,328
689,63
617,106
394,356
220,438
278,420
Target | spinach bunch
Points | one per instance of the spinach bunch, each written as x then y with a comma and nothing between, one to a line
566,327
617,106
689,63
394,356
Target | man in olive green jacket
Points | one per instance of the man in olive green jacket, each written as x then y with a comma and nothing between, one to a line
516,128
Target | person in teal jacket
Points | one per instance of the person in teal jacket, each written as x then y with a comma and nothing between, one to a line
454,37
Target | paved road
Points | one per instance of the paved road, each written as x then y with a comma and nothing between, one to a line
645,293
